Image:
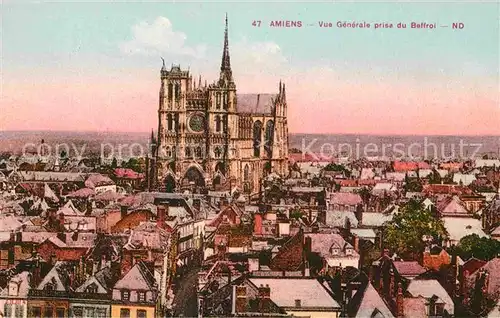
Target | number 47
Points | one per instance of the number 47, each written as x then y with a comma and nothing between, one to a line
256,23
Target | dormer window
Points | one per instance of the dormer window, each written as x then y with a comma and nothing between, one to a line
348,251
141,296
91,289
13,289
335,251
125,295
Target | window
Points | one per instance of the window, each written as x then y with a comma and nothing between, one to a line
348,251
36,312
141,313
77,312
91,289
48,312
217,100
170,122
125,295
170,86
335,251
141,296
224,100
89,312
124,313
11,256
101,313
188,152
257,138
217,152
7,310
60,312
198,153
177,91
19,311
218,123
224,124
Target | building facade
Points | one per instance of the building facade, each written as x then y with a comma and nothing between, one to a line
209,136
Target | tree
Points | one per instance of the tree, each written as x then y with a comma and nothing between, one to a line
405,233
479,247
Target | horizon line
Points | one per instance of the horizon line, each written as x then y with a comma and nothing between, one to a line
290,133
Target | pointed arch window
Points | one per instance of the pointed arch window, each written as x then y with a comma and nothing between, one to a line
169,152
217,123
224,124
217,152
217,100
268,145
177,91
170,90
224,100
188,152
198,152
170,122
257,138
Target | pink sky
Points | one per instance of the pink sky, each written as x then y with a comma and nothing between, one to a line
328,103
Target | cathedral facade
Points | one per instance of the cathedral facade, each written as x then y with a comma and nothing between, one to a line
209,136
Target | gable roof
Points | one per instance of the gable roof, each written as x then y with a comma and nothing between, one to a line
139,277
310,292
370,302
428,288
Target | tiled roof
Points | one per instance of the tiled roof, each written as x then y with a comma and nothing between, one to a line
410,166
472,265
255,103
493,269
428,288
409,268
285,291
321,243
345,198
127,173
460,227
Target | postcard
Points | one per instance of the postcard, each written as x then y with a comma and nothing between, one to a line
223,158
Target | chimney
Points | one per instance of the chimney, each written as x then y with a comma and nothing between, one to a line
356,243
399,302
62,236
385,252
53,259
123,211
240,299
257,223
160,218
61,220
88,212
307,244
51,213
391,283
253,264
359,214
197,204
264,296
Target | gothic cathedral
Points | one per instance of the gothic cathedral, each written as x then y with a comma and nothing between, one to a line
210,137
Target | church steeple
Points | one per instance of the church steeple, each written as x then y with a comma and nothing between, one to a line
226,75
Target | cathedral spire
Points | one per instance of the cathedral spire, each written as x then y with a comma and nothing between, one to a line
284,93
225,67
199,82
